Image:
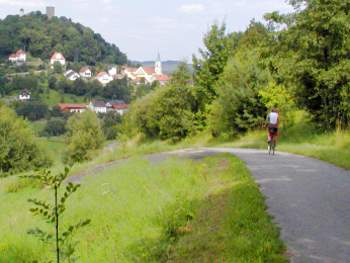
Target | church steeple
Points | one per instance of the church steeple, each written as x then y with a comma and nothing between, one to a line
158,65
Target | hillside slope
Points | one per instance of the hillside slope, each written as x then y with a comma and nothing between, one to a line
41,36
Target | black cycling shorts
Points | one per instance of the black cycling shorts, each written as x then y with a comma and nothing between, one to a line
273,130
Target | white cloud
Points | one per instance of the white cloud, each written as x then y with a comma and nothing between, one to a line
192,8
22,3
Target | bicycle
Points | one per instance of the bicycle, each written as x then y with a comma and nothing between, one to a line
272,146
272,142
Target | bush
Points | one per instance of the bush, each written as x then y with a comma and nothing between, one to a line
84,136
19,150
238,107
32,110
277,96
54,127
166,113
110,122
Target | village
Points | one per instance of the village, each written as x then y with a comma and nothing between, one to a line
136,75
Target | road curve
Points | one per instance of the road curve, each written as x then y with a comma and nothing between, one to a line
309,200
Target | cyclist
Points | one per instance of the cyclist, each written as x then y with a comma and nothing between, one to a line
272,126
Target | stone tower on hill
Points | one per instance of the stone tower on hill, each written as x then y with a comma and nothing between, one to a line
50,11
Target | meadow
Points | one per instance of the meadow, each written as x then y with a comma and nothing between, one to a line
170,211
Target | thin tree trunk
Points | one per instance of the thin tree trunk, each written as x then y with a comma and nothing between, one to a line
56,223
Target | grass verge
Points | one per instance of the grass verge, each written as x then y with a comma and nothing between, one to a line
169,211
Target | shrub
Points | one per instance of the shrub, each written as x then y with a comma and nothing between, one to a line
84,135
166,113
110,122
19,150
19,184
54,127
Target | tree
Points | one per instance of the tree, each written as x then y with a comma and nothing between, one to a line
52,214
278,96
208,68
52,82
182,76
30,83
84,136
19,150
238,107
32,110
117,89
57,68
317,36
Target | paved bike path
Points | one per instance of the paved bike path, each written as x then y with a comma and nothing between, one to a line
309,200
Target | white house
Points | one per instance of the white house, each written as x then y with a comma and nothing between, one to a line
104,78
57,58
71,75
85,72
73,108
20,56
118,106
98,106
113,71
24,95
147,74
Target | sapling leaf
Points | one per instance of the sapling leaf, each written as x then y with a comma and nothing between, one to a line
52,212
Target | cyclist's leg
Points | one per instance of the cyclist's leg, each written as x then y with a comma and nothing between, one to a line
268,135
276,137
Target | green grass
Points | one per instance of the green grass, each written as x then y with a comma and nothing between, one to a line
53,97
37,126
171,211
55,147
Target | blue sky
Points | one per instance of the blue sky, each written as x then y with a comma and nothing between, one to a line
140,28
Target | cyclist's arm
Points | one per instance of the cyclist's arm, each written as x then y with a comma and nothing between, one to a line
267,120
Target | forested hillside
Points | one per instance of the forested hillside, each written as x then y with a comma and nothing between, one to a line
40,36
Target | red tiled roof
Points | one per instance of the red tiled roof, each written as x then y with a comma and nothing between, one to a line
20,52
101,74
120,106
68,106
84,69
130,69
149,70
162,77
17,54
57,56
99,103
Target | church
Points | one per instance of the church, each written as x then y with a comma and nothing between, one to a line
147,75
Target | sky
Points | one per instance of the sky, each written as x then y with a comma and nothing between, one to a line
141,28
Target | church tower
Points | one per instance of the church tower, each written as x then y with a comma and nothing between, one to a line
158,66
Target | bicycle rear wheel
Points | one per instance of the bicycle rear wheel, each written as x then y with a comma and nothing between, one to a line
269,147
